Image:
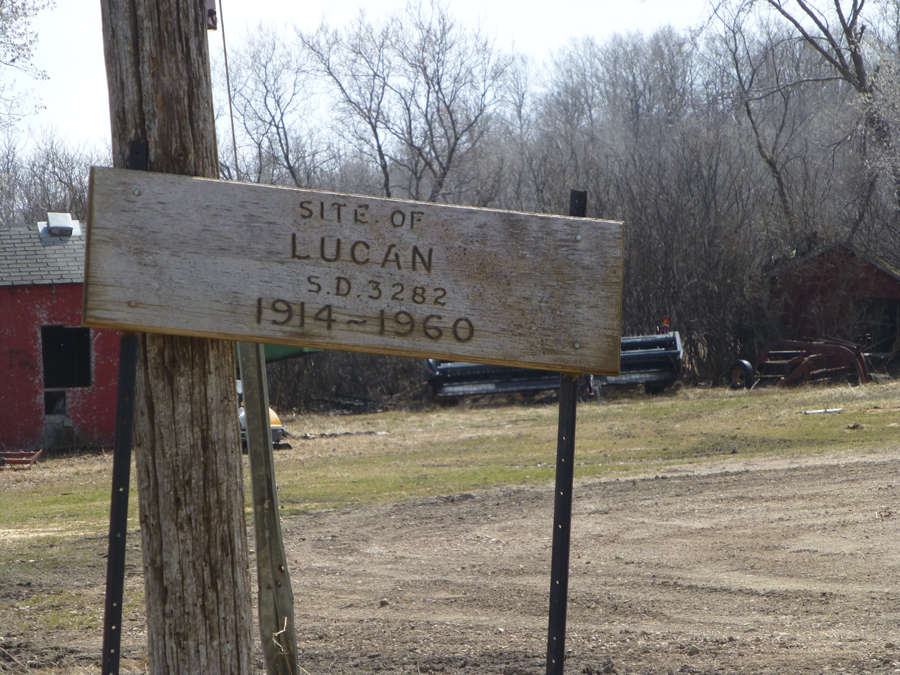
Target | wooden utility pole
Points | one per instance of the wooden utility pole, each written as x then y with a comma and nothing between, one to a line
191,490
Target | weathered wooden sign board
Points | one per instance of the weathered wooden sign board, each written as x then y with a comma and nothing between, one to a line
200,257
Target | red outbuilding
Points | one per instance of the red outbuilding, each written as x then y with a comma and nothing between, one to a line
58,379
842,293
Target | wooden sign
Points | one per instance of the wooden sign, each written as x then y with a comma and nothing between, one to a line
200,257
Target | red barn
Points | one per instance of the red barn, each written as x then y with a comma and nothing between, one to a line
57,379
839,292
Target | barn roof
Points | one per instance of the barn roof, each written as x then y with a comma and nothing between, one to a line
801,261
30,255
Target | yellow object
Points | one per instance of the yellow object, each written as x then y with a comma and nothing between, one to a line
274,419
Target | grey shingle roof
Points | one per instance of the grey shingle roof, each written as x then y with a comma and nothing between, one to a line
27,258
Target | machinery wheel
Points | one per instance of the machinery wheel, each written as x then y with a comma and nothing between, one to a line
740,375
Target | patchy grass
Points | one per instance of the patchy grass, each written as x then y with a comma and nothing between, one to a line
59,610
64,496
342,460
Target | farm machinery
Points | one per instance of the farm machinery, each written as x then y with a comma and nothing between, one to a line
652,360
792,362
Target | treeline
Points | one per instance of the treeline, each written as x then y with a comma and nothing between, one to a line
49,175
762,135
757,138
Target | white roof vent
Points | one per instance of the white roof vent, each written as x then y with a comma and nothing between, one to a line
59,225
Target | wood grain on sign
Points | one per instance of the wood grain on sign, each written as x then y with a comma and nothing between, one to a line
191,256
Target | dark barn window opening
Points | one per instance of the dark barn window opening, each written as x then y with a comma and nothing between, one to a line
66,356
879,321
54,402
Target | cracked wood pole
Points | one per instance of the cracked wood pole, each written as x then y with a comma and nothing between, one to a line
276,598
187,447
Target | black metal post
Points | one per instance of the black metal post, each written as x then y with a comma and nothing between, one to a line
118,514
562,507
139,160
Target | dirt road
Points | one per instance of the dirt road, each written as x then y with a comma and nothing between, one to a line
769,567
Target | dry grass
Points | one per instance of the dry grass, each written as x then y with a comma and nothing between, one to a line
340,460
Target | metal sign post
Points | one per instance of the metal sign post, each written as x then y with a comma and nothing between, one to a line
118,512
562,503
118,515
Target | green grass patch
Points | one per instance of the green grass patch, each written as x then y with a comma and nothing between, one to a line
60,495
81,508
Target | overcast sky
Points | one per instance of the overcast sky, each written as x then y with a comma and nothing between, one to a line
70,47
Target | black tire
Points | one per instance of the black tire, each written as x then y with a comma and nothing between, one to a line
740,375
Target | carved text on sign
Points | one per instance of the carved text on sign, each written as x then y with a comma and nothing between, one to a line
360,253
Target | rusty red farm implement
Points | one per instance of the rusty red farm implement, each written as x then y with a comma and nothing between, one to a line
791,362
18,460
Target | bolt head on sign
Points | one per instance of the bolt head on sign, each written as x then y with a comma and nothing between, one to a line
200,257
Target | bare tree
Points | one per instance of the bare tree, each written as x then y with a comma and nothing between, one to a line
838,35
787,94
17,43
358,65
450,87
512,141
54,177
416,94
51,175
10,170
271,98
640,122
